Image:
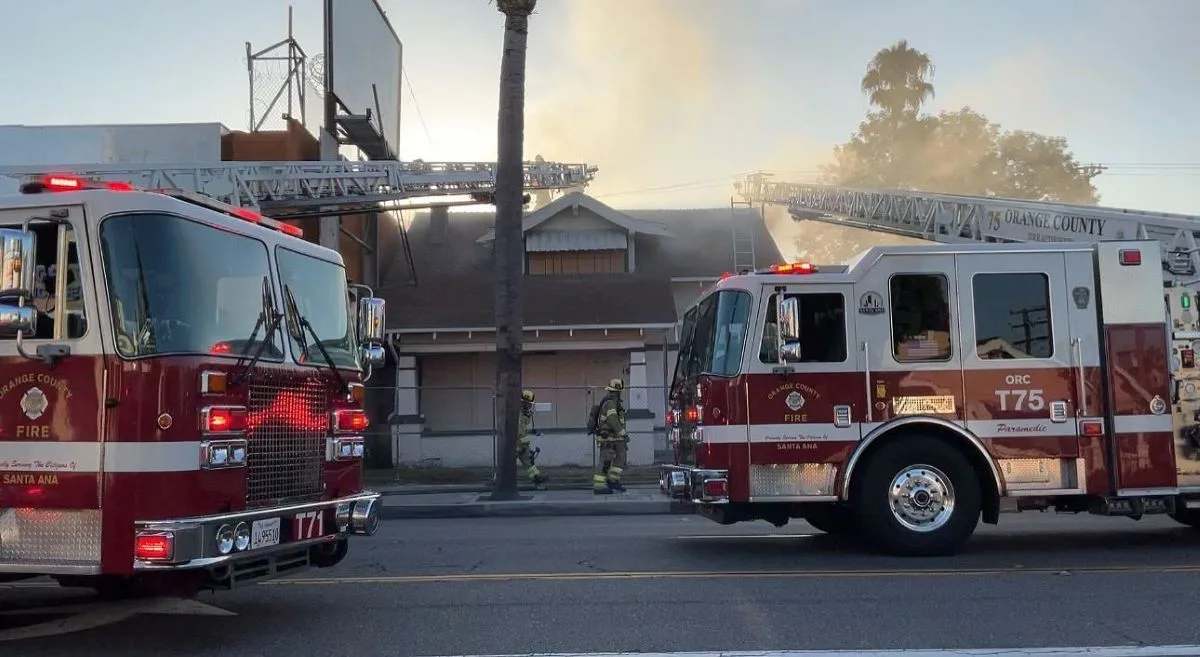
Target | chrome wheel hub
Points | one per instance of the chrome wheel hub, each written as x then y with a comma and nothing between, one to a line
921,498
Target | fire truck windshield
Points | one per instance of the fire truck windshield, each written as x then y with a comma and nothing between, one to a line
177,286
712,337
321,295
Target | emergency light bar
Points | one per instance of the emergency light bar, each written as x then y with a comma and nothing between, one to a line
790,268
64,183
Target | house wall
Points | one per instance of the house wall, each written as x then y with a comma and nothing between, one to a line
447,398
583,219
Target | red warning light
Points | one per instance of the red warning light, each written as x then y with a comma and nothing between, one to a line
794,268
248,215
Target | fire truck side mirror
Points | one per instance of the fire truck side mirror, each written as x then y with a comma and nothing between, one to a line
372,355
18,280
371,323
787,335
18,269
14,319
371,320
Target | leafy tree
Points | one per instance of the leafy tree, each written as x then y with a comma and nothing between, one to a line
956,152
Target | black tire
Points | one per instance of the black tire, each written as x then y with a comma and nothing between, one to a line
930,459
832,519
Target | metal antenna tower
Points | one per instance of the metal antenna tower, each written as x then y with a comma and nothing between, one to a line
258,66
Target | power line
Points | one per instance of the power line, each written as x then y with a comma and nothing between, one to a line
696,184
416,105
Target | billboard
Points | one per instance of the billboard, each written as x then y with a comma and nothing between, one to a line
363,62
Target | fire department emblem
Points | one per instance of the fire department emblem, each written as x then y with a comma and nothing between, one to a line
34,403
870,303
1158,406
1081,295
794,400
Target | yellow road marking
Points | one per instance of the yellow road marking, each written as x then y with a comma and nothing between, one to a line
736,574
756,574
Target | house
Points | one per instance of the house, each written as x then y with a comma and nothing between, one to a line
603,293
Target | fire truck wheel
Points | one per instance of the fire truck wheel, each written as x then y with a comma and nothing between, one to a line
918,496
832,519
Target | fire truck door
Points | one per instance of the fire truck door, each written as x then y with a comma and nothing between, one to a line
809,412
908,352
50,416
1019,361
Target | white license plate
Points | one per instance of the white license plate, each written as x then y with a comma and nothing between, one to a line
264,533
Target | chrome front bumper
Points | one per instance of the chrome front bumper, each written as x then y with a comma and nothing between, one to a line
195,540
695,485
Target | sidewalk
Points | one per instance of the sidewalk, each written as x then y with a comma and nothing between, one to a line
404,502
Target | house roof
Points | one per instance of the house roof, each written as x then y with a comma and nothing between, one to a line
454,272
576,200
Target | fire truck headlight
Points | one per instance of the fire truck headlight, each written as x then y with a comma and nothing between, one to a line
357,451
347,450
225,539
241,537
223,454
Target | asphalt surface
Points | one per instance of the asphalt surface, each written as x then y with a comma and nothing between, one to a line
666,583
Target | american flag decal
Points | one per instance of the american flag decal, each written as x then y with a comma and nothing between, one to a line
922,348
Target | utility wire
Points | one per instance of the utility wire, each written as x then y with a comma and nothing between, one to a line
416,105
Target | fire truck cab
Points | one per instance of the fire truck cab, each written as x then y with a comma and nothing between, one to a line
181,392
905,395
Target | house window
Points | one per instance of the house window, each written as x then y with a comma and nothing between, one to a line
1012,316
576,262
920,306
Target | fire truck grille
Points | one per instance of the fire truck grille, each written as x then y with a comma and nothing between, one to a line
286,457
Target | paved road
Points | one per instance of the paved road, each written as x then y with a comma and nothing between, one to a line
673,583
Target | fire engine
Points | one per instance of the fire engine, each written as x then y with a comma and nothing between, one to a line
181,398
907,394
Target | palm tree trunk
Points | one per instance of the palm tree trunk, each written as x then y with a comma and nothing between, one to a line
509,244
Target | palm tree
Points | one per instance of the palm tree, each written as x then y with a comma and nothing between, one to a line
509,245
897,80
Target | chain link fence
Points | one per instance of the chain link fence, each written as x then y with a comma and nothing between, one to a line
457,426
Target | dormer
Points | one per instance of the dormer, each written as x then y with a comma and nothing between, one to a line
576,234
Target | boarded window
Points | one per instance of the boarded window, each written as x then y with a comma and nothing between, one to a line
557,263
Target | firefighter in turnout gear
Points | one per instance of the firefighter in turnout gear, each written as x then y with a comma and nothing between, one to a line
526,455
612,440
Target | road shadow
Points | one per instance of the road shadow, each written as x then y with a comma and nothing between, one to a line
1121,548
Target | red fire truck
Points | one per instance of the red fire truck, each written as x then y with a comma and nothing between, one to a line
181,392
907,394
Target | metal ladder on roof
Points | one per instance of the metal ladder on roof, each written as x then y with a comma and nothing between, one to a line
743,229
951,219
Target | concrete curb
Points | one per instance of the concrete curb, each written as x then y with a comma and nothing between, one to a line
423,489
532,508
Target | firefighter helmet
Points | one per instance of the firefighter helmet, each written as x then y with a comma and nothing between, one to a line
527,395
615,385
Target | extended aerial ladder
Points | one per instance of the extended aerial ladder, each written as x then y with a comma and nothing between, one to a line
286,190
949,218
293,190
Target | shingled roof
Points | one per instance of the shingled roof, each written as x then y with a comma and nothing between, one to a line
453,265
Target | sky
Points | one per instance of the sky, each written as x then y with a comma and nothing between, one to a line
671,99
